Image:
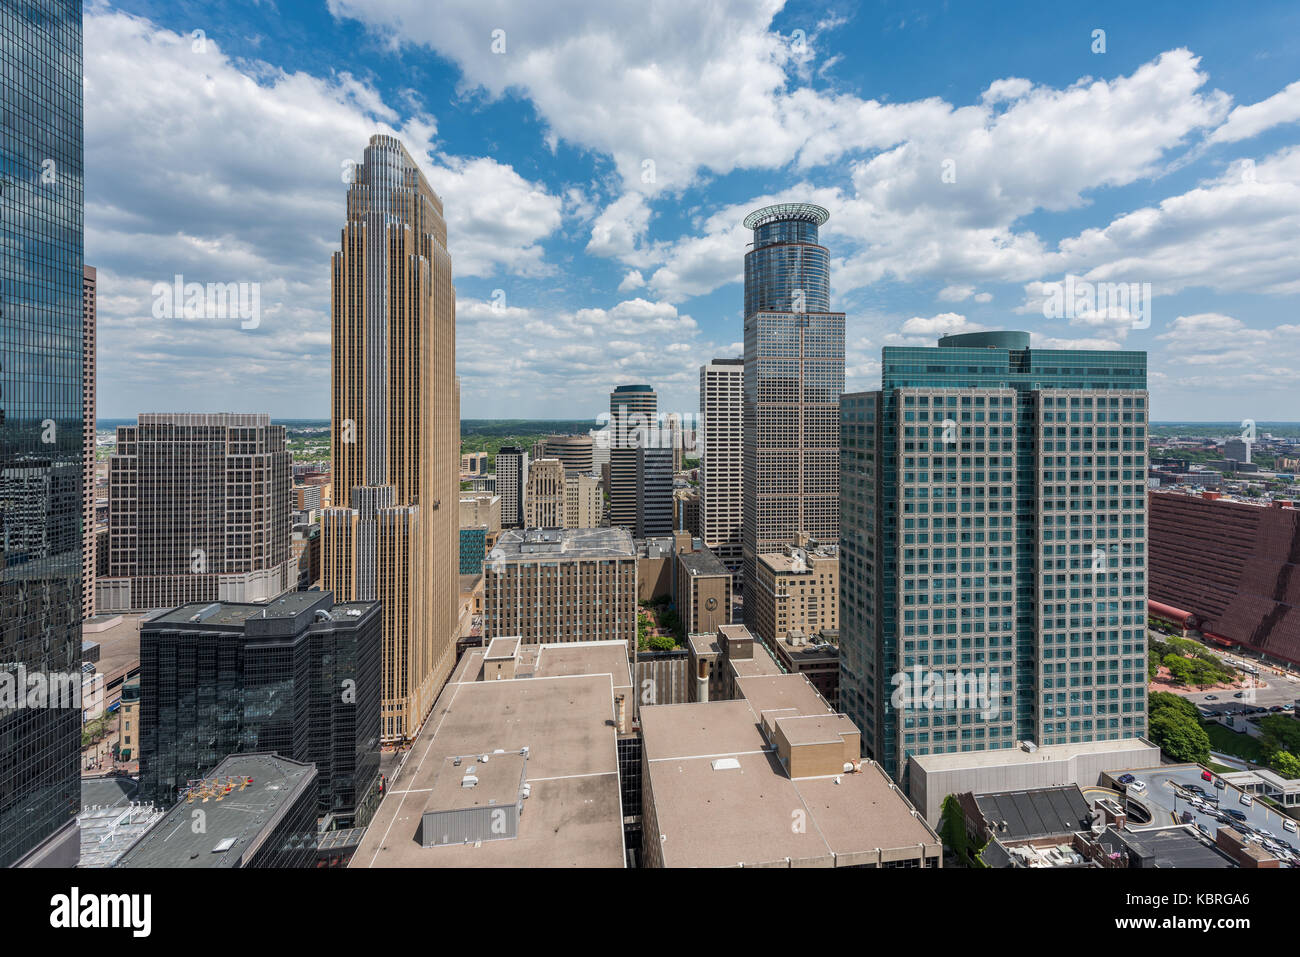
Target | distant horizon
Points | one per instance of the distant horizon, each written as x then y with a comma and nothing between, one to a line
1234,423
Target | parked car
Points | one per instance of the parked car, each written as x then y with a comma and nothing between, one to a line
1205,776
1288,825
1125,779
1246,799
1218,783
1211,697
1275,708
1240,694
1137,787
1203,829
1233,813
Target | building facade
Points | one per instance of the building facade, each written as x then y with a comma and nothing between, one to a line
88,319
654,492
41,415
544,505
200,509
793,377
722,458
575,451
392,535
796,592
1230,565
702,591
633,412
299,677
562,585
512,484
584,503
994,535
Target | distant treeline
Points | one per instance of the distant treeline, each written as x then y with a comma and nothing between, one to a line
509,427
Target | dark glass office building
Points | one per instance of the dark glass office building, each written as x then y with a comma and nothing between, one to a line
793,377
993,532
40,420
298,677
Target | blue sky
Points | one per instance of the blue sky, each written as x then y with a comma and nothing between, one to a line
595,171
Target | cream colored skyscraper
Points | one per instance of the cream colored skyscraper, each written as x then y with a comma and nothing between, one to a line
395,423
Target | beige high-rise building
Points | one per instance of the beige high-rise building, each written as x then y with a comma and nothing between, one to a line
544,495
395,420
88,283
584,504
480,508
722,478
561,585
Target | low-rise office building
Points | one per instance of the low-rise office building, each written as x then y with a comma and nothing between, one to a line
816,657
771,779
259,810
703,591
795,590
518,764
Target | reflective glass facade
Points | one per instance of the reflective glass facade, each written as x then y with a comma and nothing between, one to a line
994,523
40,409
792,380
303,683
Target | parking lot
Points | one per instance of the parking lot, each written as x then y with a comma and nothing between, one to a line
1166,798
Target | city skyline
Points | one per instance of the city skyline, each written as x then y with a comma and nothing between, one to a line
609,270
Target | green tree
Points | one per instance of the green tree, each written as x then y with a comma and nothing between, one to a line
1285,763
662,643
1280,732
1180,737
1180,669
1166,701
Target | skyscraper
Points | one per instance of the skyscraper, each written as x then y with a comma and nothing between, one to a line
512,485
575,451
40,423
722,391
994,534
395,426
200,508
793,377
88,285
544,495
633,411
654,491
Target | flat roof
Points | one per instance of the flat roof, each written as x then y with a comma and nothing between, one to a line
497,780
703,562
560,705
784,563
518,544
722,797
933,763
235,824
1171,846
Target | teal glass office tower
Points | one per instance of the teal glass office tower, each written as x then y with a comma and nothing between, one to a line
793,377
993,534
40,428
